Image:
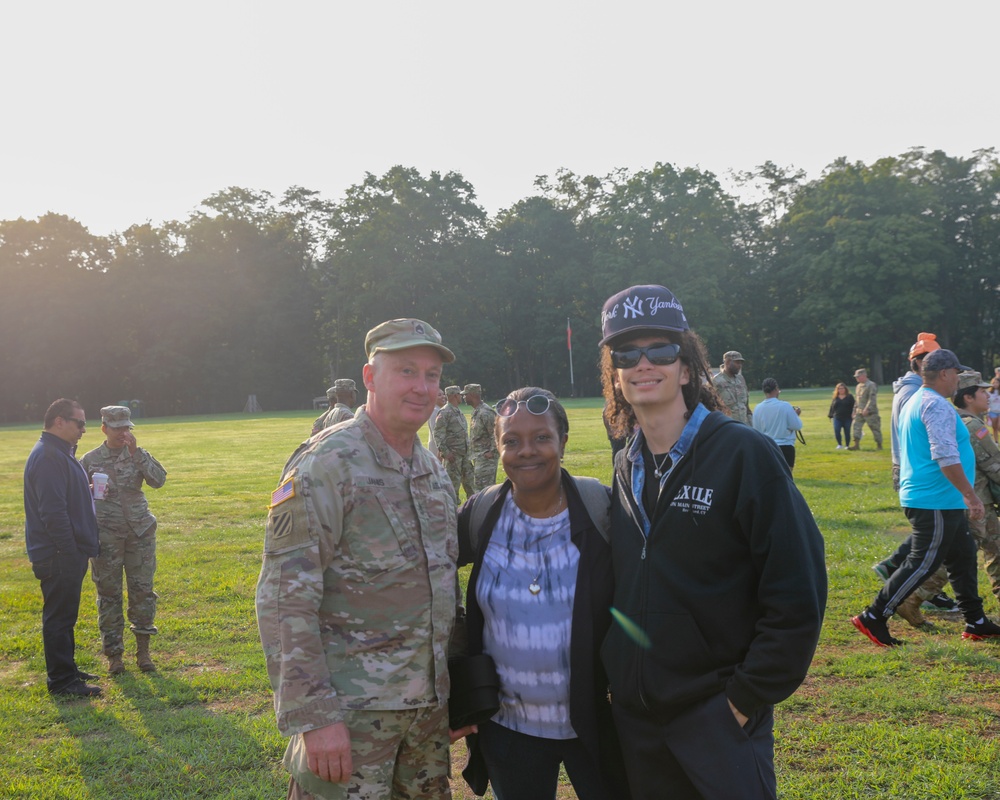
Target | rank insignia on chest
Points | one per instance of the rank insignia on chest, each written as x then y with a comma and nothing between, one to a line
284,492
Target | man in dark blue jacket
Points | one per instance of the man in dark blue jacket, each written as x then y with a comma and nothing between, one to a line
60,531
720,582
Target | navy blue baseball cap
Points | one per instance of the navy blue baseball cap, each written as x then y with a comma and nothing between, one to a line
943,359
641,308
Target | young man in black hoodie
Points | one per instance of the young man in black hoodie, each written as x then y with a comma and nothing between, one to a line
720,581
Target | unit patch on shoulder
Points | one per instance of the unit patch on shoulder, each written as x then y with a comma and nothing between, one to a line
284,492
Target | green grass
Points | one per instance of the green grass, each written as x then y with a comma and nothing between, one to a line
916,722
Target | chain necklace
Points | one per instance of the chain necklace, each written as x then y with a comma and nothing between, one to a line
535,587
658,466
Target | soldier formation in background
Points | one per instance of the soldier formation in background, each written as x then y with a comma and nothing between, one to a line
866,410
451,435
128,538
732,387
482,438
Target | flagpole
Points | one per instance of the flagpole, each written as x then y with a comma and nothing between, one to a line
569,345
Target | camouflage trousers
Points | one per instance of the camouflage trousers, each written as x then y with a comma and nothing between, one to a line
461,474
397,755
986,532
484,471
874,423
123,551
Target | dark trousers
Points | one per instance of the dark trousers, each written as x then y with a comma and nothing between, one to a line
61,578
523,767
938,537
788,451
842,425
700,753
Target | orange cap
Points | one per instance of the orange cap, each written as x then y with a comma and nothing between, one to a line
926,343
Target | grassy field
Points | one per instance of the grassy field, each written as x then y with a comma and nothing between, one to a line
918,722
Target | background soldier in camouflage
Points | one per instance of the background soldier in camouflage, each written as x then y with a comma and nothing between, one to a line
866,410
128,538
973,401
732,387
451,434
356,597
342,395
482,438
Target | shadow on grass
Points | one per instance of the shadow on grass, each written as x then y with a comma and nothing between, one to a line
153,738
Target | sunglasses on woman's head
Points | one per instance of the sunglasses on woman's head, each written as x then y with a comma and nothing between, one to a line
536,404
661,354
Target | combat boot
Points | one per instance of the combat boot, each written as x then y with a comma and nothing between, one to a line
115,664
142,653
855,446
909,610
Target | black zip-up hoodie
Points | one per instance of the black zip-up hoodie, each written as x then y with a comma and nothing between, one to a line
729,587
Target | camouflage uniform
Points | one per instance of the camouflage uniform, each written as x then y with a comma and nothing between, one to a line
867,400
355,604
337,412
128,542
320,421
452,438
734,393
986,530
482,441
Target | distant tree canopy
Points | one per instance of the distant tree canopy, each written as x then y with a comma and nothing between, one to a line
265,295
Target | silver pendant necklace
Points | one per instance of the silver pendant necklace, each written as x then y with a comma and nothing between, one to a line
658,466
535,587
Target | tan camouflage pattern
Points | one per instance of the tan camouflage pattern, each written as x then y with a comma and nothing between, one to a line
483,447
356,596
986,530
866,399
127,532
338,412
734,394
395,754
452,439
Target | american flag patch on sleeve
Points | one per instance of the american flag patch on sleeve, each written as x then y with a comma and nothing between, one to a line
283,492
981,433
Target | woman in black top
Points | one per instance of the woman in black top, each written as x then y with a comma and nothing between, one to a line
841,409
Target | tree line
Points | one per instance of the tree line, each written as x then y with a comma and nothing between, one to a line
272,295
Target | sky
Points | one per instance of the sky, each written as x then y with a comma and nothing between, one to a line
118,113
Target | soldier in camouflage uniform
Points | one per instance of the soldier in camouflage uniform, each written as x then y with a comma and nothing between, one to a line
732,387
451,435
128,538
356,598
482,438
973,402
866,410
342,396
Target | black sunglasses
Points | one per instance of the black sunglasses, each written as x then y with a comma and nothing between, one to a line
79,422
536,404
661,354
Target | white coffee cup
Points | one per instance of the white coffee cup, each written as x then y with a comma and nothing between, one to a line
100,485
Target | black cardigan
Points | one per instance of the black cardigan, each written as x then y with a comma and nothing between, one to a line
589,706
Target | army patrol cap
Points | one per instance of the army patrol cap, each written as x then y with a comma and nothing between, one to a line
450,390
344,385
400,334
472,388
116,417
641,308
860,372
966,380
926,343
331,392
733,355
943,359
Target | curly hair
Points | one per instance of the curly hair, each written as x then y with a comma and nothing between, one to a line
618,412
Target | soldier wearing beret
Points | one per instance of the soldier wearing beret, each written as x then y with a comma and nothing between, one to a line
482,438
356,596
128,538
732,387
451,435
